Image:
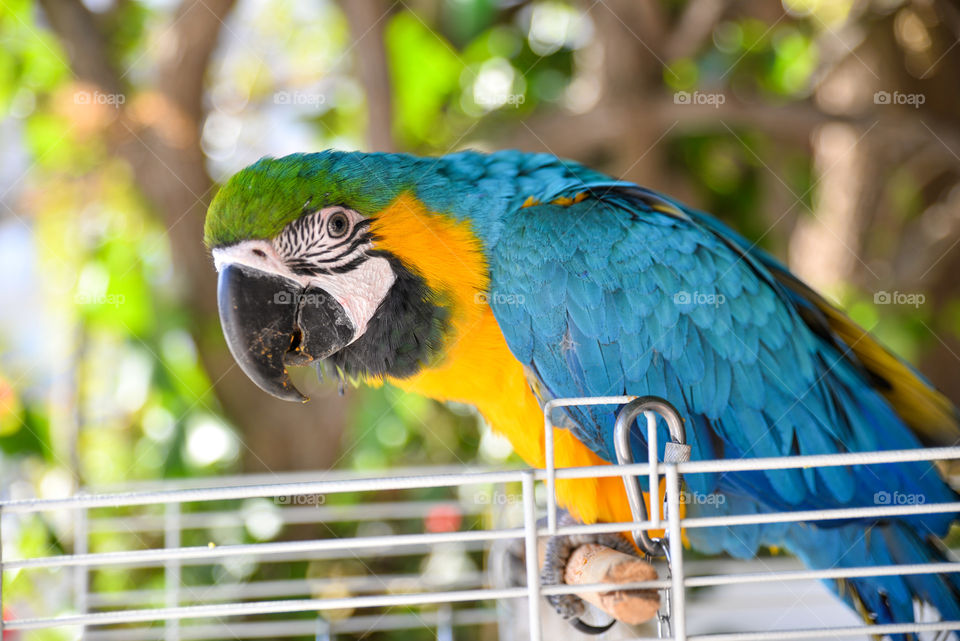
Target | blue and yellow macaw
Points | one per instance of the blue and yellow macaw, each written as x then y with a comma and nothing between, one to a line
505,279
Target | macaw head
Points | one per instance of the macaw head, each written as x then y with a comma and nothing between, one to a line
332,256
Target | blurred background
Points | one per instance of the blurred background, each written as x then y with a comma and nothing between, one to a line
828,131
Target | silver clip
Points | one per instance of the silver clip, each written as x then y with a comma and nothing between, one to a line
676,451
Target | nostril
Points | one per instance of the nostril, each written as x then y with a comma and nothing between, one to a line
296,340
260,253
295,354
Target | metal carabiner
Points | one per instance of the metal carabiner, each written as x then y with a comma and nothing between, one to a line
676,451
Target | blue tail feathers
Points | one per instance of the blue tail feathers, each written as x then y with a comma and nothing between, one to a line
880,599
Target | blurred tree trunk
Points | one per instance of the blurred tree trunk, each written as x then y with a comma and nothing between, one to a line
157,131
940,167
857,233
367,19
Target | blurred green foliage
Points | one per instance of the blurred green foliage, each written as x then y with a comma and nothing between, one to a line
103,384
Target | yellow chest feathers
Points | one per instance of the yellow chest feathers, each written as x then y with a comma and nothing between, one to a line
480,370
477,367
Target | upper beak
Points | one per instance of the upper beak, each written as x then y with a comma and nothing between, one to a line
270,322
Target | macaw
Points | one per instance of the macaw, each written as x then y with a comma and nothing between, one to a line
502,280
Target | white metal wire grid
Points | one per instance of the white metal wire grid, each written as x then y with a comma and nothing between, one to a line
227,607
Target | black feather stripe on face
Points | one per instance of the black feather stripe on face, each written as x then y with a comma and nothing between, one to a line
405,333
320,258
303,249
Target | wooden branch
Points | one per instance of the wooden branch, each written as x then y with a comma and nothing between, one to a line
647,20
192,37
593,563
950,16
79,33
367,19
583,136
694,27
157,134
587,135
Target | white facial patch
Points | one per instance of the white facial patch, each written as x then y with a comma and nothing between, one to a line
328,250
361,290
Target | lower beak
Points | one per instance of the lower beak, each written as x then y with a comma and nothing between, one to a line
270,322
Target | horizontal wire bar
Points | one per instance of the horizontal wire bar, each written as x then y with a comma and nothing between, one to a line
368,583
273,478
263,607
746,578
315,555
286,606
567,401
258,549
819,460
760,464
761,577
830,633
826,514
297,627
400,510
830,514
127,499
356,543
811,575
388,621
655,584
469,478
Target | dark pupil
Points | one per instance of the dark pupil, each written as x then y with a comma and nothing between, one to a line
338,225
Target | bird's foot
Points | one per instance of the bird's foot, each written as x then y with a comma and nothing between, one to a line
559,548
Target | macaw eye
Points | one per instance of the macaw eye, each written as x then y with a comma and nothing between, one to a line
338,224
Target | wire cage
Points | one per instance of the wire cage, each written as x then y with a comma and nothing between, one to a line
333,555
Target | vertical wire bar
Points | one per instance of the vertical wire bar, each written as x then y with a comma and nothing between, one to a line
677,605
81,576
171,568
444,623
551,469
324,629
532,556
548,445
653,456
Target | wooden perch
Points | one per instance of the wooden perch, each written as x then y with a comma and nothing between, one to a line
593,563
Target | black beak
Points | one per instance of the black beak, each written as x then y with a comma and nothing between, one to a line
270,322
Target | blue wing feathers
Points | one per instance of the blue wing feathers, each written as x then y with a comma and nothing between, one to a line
625,298
723,379
688,363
